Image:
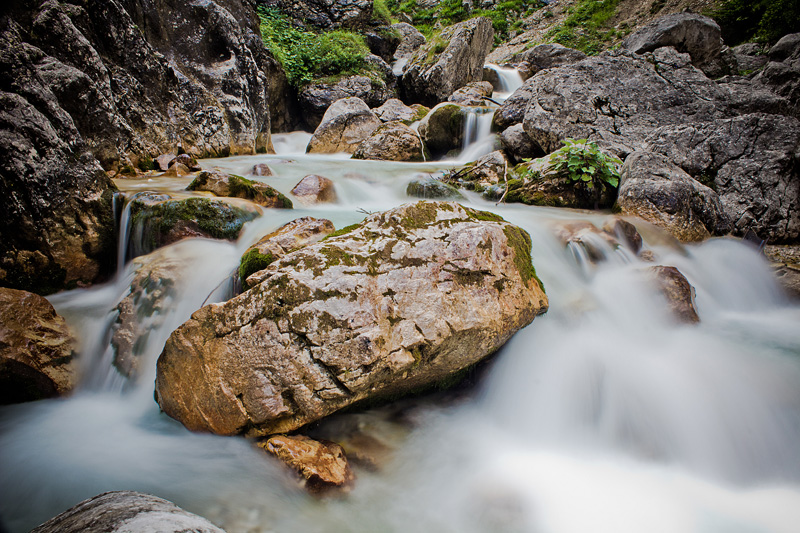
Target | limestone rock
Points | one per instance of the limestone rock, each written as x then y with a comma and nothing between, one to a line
314,189
262,169
653,188
326,14
410,39
322,465
517,144
345,125
472,94
233,186
488,170
188,161
678,292
513,109
466,44
392,141
178,170
288,238
162,162
395,110
36,349
697,35
432,189
316,98
125,511
545,56
403,300
442,130
782,72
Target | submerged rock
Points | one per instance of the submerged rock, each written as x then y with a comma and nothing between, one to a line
314,189
288,238
125,512
393,141
678,292
345,125
232,186
432,189
321,465
405,299
262,169
36,349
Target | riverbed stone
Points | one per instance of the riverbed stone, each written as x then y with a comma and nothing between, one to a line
395,110
442,130
232,186
432,189
315,189
397,303
126,512
36,349
679,293
345,125
321,465
392,141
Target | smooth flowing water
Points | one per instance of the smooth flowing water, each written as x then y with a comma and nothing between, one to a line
602,415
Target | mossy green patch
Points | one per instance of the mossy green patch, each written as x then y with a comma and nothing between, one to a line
253,261
520,242
339,232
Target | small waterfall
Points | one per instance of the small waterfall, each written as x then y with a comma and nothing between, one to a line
478,139
509,81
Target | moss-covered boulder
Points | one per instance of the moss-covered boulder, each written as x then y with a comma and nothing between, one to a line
233,186
403,301
442,130
158,224
288,238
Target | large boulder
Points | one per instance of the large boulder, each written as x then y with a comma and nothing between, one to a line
410,39
400,302
393,141
89,86
653,188
232,186
325,14
36,349
517,144
448,62
126,511
345,125
697,35
782,73
442,130
316,98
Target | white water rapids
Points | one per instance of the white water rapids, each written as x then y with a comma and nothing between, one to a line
602,415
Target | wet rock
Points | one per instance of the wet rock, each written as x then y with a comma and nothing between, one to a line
472,94
432,189
583,234
653,188
186,160
232,186
392,141
785,261
545,56
625,232
678,292
288,238
395,110
125,511
314,189
325,14
36,349
262,169
316,98
167,222
490,169
178,170
517,144
451,61
782,72
162,162
403,300
345,125
442,130
322,465
697,35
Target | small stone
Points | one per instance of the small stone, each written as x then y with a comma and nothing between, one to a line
262,169
322,465
678,292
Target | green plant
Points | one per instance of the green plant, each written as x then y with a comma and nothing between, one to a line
763,21
585,27
381,13
582,163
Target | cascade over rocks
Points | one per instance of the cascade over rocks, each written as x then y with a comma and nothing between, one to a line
36,349
102,85
392,141
233,186
345,125
126,511
431,76
402,301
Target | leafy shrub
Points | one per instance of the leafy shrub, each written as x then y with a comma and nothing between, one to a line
305,55
756,20
583,164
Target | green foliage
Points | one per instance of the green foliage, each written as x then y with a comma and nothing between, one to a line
253,261
583,164
763,21
381,13
146,164
585,28
306,56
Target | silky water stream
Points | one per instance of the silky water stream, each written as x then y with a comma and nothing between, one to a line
602,415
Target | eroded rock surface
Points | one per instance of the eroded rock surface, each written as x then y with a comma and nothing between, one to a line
36,349
405,299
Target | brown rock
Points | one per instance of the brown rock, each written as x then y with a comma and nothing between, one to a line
233,186
162,162
392,141
322,465
177,170
314,189
625,232
186,160
262,169
785,260
678,292
36,349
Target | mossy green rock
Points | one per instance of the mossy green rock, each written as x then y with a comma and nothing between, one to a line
432,189
403,301
233,186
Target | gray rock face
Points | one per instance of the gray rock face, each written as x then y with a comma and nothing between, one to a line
653,188
466,44
36,349
472,94
107,83
544,56
345,125
392,141
394,109
513,109
697,35
442,129
121,512
517,144
405,299
782,73
325,14
316,98
410,40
